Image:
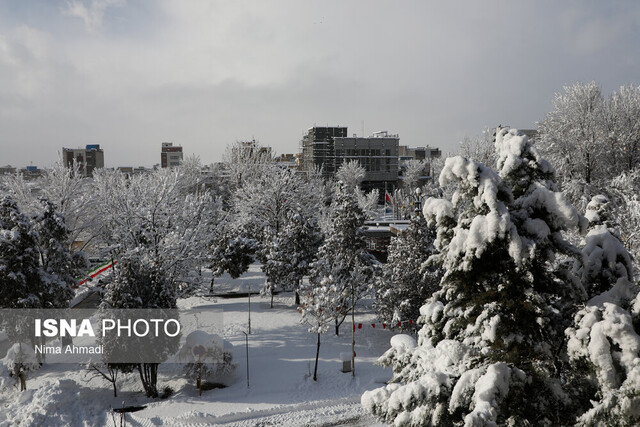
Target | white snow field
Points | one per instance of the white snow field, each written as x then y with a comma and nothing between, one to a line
281,390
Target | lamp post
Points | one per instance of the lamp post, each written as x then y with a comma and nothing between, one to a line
249,296
418,206
246,337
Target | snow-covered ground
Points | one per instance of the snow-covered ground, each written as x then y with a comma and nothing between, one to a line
281,390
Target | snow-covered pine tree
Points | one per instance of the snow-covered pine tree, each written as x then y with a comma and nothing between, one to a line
293,251
59,266
344,258
488,342
541,214
19,263
407,282
603,343
230,251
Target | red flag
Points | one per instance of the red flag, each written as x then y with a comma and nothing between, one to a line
399,324
411,322
387,197
373,325
384,326
359,325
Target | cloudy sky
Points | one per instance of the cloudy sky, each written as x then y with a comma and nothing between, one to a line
130,74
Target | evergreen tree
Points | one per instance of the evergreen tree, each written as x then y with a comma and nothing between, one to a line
603,342
344,258
19,263
58,265
230,251
490,335
407,281
292,252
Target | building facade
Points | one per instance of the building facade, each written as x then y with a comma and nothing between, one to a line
171,155
377,154
329,147
89,158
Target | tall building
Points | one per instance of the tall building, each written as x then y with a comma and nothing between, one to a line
89,158
318,151
170,155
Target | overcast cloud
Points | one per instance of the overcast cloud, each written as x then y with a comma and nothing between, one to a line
129,75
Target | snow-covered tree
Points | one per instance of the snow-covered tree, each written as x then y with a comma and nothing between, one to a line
412,175
480,148
59,266
572,136
158,233
319,310
343,258
603,342
623,130
263,207
68,190
492,333
407,282
351,174
247,162
292,252
231,252
623,192
19,262
149,219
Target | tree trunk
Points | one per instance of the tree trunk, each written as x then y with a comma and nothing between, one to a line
149,377
337,327
297,299
315,369
271,298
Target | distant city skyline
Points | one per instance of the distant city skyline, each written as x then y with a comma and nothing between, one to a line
129,75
